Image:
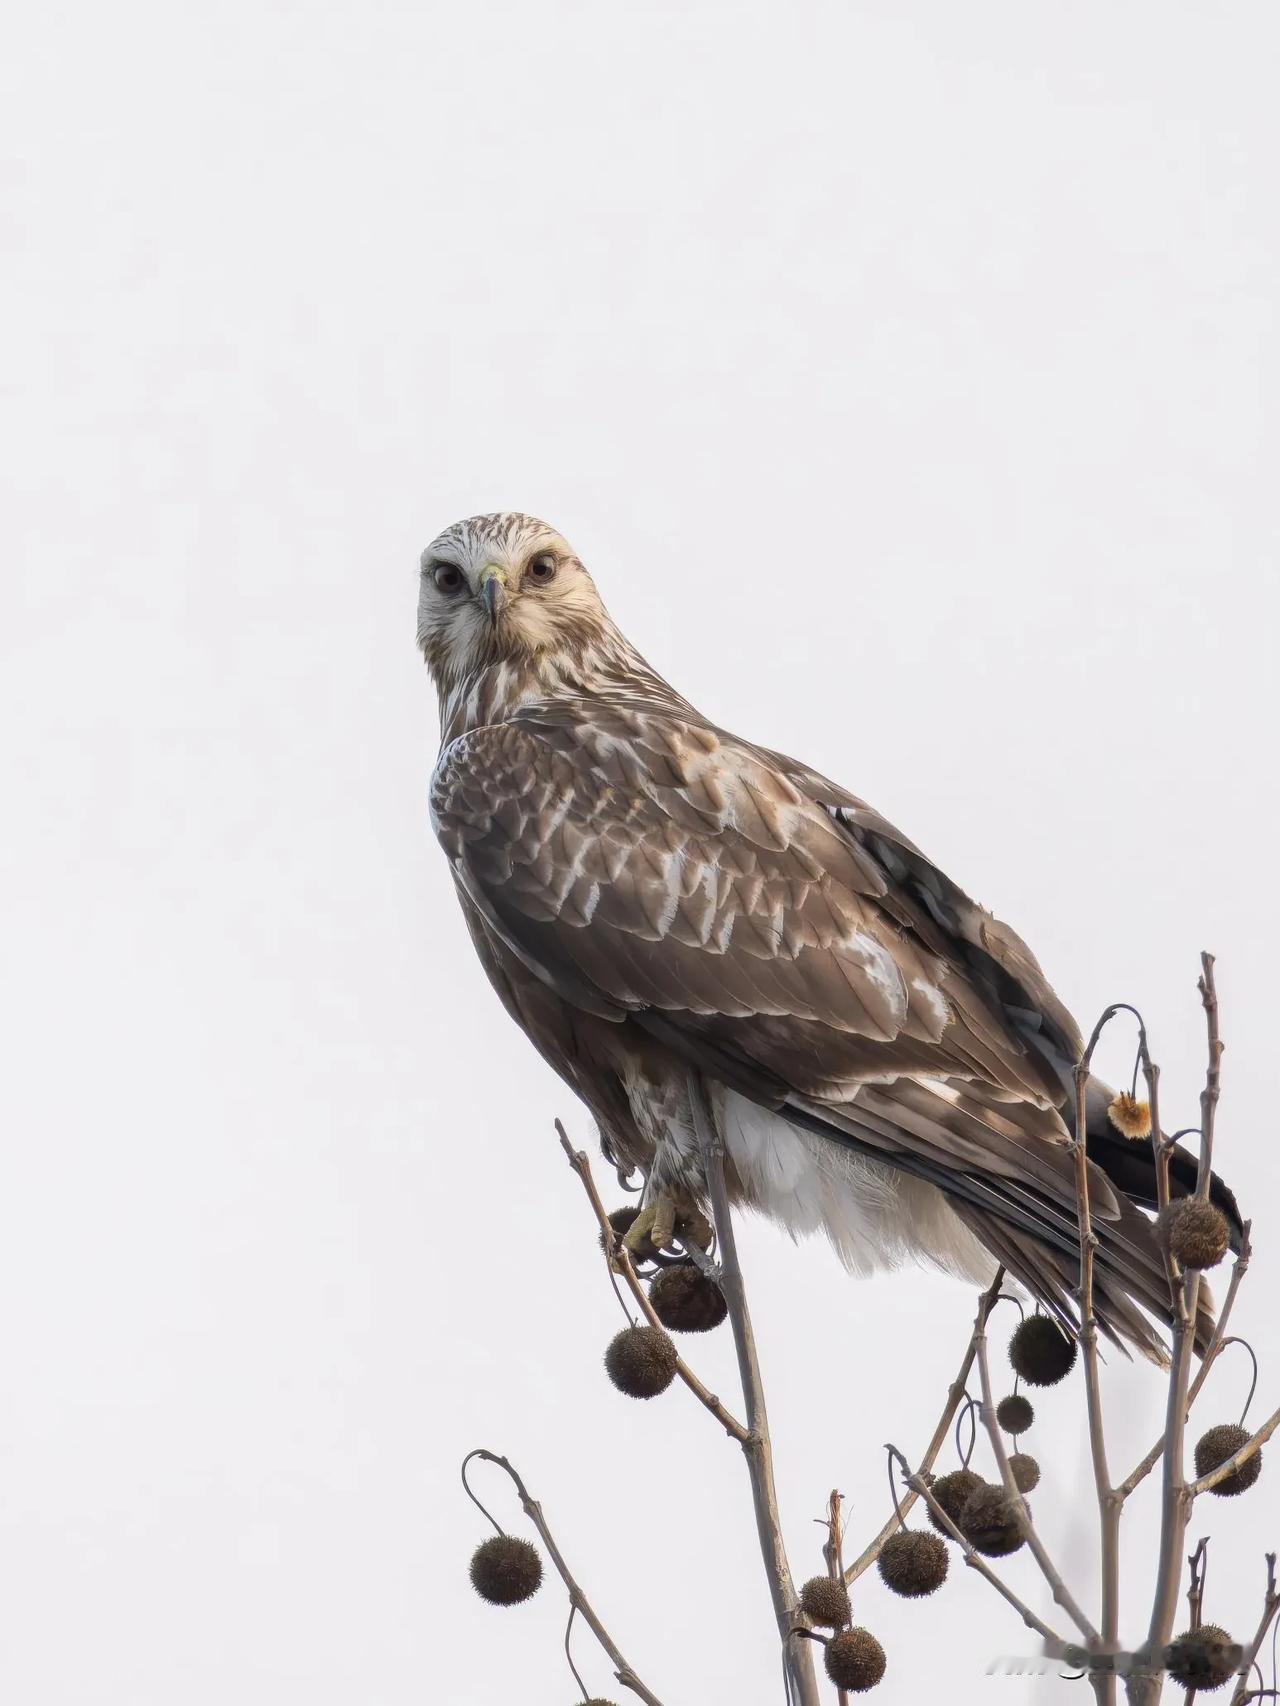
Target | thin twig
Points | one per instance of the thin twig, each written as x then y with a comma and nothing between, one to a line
1270,1605
1055,1646
533,1510
619,1259
1175,1502
1216,1344
757,1448
1109,1506
833,1557
955,1397
1062,1594
1238,1459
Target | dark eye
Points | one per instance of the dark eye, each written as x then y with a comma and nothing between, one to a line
448,578
542,569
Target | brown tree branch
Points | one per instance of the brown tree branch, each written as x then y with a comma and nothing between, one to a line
955,1394
1055,1646
1062,1594
1142,1469
619,1259
757,1447
1270,1605
622,1670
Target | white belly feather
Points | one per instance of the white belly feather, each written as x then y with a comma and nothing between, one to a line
875,1216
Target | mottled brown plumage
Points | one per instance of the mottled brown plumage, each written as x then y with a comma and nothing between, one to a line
648,892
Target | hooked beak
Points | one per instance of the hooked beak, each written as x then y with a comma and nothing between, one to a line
493,591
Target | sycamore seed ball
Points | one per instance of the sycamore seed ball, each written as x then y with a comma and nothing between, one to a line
952,1491
686,1300
825,1602
1216,1446
1041,1353
1203,1658
641,1361
990,1522
1025,1471
855,1660
505,1570
913,1563
1194,1233
1015,1414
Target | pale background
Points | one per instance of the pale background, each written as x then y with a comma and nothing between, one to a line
908,377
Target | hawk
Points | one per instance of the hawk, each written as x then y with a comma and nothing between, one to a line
650,894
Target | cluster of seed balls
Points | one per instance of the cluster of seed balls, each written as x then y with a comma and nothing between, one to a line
642,1361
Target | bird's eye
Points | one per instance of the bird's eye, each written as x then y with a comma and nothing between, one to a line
448,578
542,569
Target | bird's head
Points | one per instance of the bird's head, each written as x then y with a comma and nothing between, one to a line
499,588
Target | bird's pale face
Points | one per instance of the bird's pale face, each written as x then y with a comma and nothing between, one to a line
501,587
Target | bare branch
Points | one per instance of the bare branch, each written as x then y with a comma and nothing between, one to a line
1109,1506
1238,1459
1062,1594
1055,1646
578,1600
1216,1344
955,1396
757,1447
619,1259
1270,1605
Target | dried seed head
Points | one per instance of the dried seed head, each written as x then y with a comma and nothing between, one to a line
1193,1232
641,1361
1129,1116
855,1660
1216,1447
913,1563
825,1602
1015,1414
599,1702
505,1570
1041,1352
1203,1658
990,1522
685,1300
1025,1471
622,1220
952,1492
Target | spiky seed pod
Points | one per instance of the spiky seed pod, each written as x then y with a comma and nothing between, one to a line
685,1300
1015,1414
505,1570
990,1523
855,1660
641,1361
1203,1658
825,1602
1041,1352
1025,1471
622,1220
1129,1116
1216,1446
1193,1232
952,1491
913,1563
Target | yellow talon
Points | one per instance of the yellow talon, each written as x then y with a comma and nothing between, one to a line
664,1220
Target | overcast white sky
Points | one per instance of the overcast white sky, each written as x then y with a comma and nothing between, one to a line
907,375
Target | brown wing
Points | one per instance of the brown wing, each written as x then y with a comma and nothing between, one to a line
642,861
651,868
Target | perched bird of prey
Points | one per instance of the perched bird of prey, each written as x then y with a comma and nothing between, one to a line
650,894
